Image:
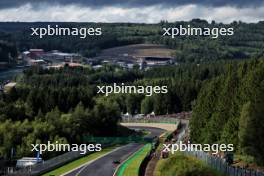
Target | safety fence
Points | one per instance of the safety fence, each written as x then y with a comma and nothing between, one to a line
220,165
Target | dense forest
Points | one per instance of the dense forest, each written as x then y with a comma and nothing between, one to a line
64,105
226,98
220,80
8,52
247,41
229,109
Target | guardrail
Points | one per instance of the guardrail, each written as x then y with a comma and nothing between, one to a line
48,165
221,166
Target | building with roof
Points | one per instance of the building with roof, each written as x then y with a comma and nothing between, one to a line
37,62
58,56
35,53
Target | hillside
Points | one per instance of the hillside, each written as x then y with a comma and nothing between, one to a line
247,41
139,50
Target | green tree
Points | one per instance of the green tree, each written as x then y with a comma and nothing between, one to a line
147,105
246,128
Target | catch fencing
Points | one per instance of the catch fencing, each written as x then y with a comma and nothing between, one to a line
220,165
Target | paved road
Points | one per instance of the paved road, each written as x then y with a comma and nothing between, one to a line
104,166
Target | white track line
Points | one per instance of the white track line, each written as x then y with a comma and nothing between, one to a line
86,164
117,169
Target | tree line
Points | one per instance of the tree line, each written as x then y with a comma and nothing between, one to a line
64,104
247,41
229,109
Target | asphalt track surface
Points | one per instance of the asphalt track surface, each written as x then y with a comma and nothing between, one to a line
104,166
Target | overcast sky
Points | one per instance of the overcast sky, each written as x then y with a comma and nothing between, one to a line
146,11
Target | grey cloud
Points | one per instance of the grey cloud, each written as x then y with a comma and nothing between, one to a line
132,3
149,14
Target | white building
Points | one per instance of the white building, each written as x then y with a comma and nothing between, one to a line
28,162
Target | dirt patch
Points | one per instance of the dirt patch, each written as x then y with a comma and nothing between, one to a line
139,50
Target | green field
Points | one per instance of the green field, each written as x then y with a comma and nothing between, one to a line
181,165
132,165
74,164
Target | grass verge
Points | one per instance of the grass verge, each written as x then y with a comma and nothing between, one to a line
180,165
132,165
74,164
